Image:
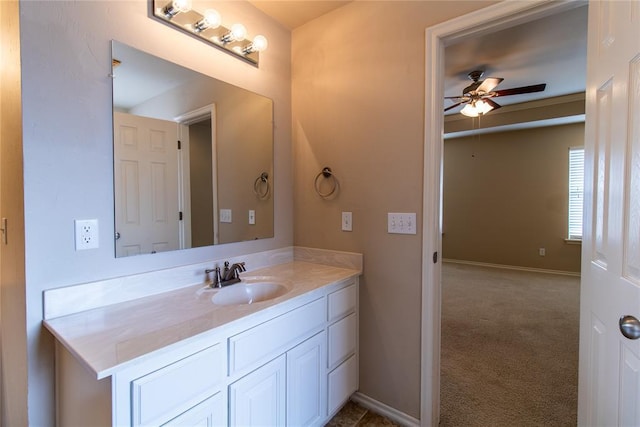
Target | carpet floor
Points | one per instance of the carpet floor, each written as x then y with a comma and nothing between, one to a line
509,351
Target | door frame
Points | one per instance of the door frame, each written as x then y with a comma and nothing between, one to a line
184,121
484,21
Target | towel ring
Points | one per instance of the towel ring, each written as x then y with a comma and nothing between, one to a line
327,174
261,186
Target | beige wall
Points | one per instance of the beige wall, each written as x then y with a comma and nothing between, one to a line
505,196
12,256
358,107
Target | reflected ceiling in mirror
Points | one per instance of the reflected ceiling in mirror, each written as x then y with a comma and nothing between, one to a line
193,157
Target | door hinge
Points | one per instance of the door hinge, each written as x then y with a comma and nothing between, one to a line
4,230
179,216
179,145
435,257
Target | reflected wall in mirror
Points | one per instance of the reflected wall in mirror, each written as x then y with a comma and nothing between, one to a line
193,157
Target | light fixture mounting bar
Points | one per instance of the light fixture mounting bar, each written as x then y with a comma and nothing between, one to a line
189,22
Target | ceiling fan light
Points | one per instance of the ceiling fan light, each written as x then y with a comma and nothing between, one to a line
469,111
483,107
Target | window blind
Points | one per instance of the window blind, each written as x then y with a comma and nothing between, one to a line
576,191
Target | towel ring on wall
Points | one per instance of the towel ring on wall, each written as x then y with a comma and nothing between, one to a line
261,186
327,174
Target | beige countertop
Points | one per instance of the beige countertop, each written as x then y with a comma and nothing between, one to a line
105,339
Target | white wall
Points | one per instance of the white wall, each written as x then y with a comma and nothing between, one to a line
67,135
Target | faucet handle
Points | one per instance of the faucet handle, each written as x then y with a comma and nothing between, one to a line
216,277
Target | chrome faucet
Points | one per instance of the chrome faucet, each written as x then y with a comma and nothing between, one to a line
228,276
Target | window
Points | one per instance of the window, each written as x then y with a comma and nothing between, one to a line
576,190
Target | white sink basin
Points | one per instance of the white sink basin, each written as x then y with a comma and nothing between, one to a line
248,293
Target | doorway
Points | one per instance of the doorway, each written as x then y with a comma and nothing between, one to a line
480,23
198,182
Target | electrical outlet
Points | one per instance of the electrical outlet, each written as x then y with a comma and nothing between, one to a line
347,224
542,251
86,234
252,217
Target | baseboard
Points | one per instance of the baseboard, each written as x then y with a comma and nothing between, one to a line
385,410
511,267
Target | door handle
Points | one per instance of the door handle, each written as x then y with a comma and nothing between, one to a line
630,327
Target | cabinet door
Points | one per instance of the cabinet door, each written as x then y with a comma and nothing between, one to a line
306,403
258,399
209,413
342,382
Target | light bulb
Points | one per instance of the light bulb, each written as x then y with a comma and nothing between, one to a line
259,43
182,5
238,32
175,7
211,19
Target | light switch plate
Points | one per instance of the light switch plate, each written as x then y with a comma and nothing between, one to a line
347,224
225,215
401,223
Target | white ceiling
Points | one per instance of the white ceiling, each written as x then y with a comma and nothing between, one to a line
294,13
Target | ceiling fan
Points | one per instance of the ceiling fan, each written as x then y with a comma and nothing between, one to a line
477,96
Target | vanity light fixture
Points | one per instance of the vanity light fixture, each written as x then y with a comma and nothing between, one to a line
208,28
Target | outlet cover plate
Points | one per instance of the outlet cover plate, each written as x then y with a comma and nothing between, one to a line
86,234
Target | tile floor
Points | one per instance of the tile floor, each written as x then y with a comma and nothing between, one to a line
352,415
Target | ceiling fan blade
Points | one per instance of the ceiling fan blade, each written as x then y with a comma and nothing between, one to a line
453,106
489,84
491,102
520,90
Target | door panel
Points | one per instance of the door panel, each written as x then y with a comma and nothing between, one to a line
146,184
609,387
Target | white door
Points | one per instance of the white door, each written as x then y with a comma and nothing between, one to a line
609,385
146,184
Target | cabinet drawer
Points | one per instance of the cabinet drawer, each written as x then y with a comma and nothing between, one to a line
173,389
275,336
343,381
342,302
342,340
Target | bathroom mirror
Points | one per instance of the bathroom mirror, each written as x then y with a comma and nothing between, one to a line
193,157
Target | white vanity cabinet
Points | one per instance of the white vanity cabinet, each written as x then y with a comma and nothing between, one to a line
290,364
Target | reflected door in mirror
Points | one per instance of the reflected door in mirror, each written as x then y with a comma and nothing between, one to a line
146,164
